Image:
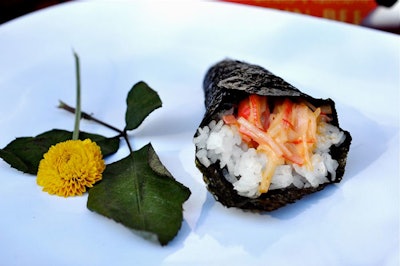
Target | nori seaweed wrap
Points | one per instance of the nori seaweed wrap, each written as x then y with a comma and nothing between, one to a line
225,85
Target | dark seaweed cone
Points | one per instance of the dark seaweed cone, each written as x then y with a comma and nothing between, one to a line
225,84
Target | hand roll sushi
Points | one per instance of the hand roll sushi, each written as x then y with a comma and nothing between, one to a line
263,143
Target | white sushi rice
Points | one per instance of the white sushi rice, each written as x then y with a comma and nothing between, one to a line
244,165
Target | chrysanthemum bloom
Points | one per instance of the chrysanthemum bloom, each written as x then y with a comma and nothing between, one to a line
69,167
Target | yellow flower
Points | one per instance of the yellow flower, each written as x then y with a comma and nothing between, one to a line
69,167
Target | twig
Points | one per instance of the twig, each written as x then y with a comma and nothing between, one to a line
63,105
122,133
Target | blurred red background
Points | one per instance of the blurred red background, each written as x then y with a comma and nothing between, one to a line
378,14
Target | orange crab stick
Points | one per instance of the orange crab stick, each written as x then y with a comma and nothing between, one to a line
258,135
255,110
288,134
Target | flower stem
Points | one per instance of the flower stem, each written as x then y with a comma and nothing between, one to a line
66,107
75,134
125,135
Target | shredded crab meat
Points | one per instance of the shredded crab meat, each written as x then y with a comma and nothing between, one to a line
287,135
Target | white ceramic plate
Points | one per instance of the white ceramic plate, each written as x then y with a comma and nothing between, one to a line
170,45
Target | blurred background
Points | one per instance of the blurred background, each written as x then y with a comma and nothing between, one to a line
10,9
378,14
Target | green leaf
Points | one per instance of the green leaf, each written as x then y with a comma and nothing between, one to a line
140,193
141,101
25,153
